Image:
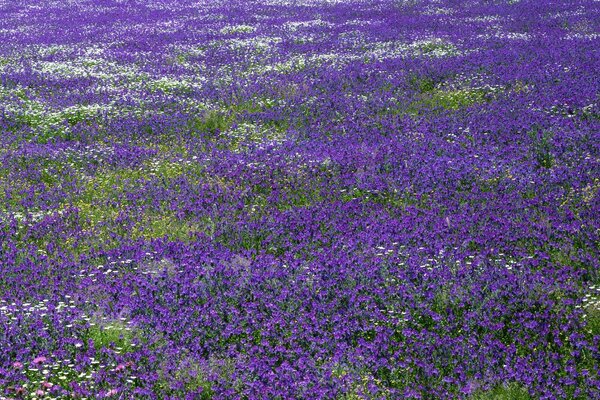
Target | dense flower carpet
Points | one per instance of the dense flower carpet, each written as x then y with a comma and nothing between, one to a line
299,199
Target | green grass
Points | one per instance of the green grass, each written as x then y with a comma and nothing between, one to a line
511,391
193,379
542,147
97,213
592,316
95,209
169,86
50,126
435,45
167,225
422,84
394,200
190,375
212,122
114,334
360,388
220,120
441,302
431,98
456,99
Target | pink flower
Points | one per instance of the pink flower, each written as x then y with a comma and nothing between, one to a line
111,392
39,360
17,365
120,367
47,385
39,392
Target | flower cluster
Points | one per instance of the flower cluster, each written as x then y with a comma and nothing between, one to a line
308,199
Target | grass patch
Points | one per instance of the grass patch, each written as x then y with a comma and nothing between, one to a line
390,199
108,182
511,391
362,387
542,147
190,377
430,97
115,334
422,84
193,379
170,86
233,125
591,306
166,225
593,321
220,120
435,47
456,99
212,122
49,126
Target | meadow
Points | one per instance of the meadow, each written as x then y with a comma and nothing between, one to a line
300,199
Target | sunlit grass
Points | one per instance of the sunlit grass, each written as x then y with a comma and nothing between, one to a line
511,391
114,334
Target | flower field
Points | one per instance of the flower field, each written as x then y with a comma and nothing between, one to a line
300,199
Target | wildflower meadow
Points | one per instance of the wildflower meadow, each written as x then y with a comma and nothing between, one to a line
300,199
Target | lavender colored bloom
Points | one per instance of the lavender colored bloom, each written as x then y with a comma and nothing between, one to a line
299,199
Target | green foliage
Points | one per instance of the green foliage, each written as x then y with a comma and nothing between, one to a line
432,46
456,99
191,378
212,122
592,315
511,391
114,334
593,322
166,225
542,147
392,199
362,386
422,84
77,115
430,96
170,86
441,302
